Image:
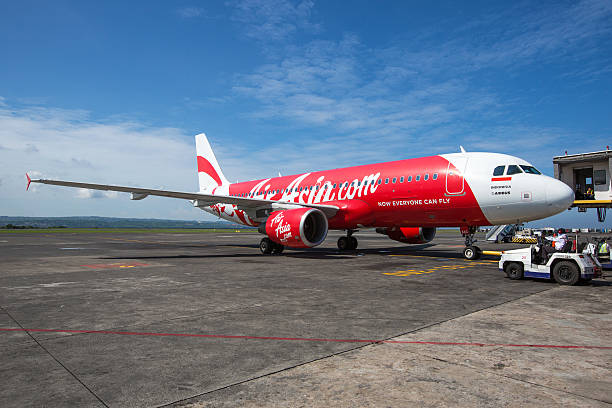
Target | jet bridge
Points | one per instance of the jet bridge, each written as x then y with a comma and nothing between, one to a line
588,174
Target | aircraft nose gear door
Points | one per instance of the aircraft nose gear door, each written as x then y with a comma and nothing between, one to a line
455,183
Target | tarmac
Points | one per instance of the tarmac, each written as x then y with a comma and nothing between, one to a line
137,319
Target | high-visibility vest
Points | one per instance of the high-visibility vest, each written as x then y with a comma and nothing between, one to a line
604,248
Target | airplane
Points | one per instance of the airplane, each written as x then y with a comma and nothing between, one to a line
405,199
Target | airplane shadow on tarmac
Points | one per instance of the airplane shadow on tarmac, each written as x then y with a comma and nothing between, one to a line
314,253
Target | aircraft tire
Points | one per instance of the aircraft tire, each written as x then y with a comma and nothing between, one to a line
353,243
278,248
514,270
266,246
471,253
343,243
566,273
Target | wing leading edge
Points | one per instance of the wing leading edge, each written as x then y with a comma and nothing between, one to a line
203,199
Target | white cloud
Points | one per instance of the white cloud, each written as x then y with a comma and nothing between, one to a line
190,12
87,194
68,145
509,38
329,84
273,20
2,101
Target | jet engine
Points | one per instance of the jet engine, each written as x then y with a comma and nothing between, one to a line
297,228
409,235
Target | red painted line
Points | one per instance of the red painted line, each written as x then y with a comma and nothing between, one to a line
224,336
501,179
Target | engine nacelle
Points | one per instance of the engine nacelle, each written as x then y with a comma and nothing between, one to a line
409,235
297,228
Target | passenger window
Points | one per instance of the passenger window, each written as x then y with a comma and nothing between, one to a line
334,185
426,177
394,180
386,181
435,176
417,178
513,169
402,179
409,179
499,170
379,181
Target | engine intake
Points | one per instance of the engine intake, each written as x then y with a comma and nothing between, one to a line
409,235
297,228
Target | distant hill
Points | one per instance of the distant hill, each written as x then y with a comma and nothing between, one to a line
110,222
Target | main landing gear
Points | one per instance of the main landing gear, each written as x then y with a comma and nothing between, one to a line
471,251
347,243
267,246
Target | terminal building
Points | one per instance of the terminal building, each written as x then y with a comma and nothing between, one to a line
588,174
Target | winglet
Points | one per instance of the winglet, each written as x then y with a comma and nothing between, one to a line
29,181
462,149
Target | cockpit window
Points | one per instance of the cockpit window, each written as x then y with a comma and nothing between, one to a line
499,171
513,169
530,169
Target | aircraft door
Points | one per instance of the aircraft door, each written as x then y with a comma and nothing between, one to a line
455,183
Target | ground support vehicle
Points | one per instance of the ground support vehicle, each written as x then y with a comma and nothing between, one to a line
524,237
523,240
564,268
594,248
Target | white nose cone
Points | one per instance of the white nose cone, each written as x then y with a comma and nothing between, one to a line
559,196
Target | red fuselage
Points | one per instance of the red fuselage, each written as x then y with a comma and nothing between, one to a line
423,192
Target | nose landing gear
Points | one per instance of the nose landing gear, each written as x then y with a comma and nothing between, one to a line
471,251
347,243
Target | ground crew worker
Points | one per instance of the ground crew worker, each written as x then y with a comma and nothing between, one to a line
590,194
557,244
604,250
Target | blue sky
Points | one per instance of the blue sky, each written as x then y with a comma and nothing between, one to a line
113,92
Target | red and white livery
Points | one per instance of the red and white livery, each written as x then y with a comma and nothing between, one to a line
405,200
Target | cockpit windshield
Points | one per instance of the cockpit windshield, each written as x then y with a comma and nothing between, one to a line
499,171
530,169
513,169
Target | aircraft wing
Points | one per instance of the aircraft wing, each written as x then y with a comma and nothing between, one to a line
202,198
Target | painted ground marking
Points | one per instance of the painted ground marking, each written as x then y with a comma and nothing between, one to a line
410,272
224,336
116,265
